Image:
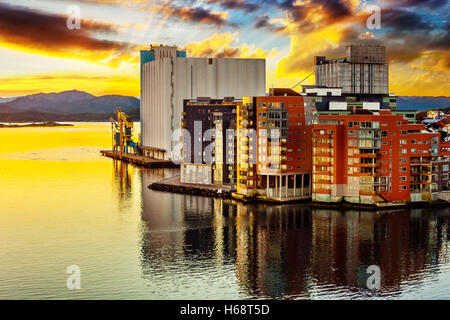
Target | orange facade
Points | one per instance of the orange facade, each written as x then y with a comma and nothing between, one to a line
296,144
370,158
283,158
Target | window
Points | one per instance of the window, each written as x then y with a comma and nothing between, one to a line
350,124
210,61
413,141
384,134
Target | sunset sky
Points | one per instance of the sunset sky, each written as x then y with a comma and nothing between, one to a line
38,53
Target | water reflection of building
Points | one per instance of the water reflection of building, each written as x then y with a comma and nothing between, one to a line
290,250
122,178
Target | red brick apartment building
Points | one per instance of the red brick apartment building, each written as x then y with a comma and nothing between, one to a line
377,158
282,168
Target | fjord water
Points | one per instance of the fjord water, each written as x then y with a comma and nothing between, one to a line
62,204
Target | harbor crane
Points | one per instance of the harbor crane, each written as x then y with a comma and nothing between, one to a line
122,133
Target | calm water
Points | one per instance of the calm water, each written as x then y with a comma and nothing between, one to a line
62,204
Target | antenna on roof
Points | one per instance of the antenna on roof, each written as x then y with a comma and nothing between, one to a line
303,80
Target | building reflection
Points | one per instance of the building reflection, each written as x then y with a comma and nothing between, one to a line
122,178
290,251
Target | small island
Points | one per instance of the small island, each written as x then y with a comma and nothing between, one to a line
36,124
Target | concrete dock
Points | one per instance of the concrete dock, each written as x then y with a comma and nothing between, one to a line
174,185
143,161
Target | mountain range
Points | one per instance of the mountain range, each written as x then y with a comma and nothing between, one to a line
422,103
77,105
71,105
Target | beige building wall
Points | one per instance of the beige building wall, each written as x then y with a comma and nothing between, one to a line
167,81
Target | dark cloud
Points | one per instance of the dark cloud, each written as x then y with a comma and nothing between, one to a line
263,22
441,40
333,10
44,31
243,5
433,4
189,14
401,20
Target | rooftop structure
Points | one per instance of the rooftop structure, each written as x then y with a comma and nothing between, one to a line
363,71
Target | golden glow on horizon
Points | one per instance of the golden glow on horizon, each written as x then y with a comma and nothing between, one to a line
95,84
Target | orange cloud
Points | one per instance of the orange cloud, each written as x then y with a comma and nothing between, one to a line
37,32
220,46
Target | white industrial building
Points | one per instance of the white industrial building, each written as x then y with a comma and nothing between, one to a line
168,77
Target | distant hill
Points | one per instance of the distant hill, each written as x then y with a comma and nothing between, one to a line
49,102
66,106
6,99
422,103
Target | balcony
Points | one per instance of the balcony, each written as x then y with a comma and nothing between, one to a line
323,163
323,154
369,165
420,163
369,155
322,181
322,145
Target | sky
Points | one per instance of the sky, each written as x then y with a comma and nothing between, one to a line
40,51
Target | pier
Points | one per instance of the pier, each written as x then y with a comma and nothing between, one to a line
174,185
143,161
